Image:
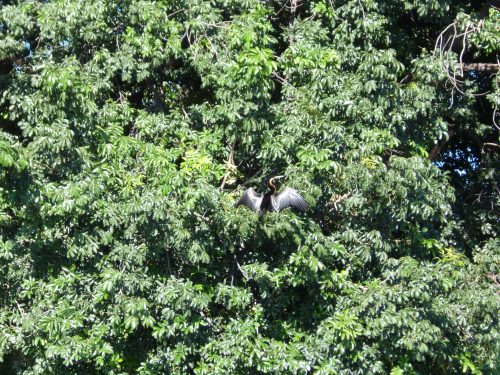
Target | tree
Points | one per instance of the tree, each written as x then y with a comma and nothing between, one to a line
130,128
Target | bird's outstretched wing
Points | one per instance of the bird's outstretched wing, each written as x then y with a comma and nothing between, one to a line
291,198
251,199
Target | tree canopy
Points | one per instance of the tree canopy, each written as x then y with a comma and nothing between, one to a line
129,129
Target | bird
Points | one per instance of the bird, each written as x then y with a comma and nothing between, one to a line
271,201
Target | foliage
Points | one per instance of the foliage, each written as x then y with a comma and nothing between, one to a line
130,128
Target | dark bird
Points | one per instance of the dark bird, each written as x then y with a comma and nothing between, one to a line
271,201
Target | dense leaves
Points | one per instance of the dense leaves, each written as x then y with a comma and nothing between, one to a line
130,128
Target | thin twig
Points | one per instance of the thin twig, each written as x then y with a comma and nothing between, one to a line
283,81
175,12
339,198
461,58
235,260
362,9
242,271
444,48
230,163
494,117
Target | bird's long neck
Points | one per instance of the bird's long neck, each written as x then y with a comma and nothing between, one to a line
271,186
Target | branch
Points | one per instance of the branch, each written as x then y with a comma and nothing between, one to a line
495,278
492,145
339,198
483,12
494,116
447,42
481,67
436,150
229,164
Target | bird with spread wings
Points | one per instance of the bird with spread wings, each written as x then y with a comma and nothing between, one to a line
271,201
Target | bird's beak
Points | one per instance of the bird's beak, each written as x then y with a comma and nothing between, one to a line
278,177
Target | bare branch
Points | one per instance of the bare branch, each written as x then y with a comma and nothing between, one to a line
436,150
494,117
461,58
481,67
443,48
242,271
495,278
230,165
362,9
492,145
339,198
